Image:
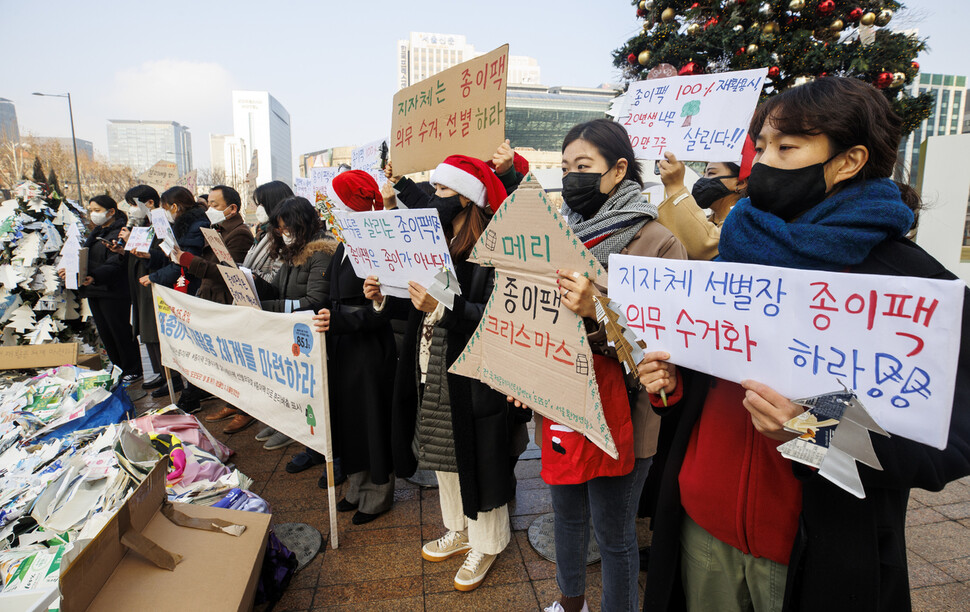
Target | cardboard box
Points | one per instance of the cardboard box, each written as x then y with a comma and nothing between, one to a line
91,361
38,355
217,571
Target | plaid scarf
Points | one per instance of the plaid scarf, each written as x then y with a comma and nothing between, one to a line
615,224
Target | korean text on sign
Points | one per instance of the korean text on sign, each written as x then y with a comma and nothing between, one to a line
698,117
894,340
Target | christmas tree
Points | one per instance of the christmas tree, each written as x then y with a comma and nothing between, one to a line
33,227
797,40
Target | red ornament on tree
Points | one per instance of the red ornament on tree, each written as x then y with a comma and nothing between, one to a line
855,14
774,71
884,80
915,66
739,51
695,5
632,58
826,6
641,12
710,22
692,68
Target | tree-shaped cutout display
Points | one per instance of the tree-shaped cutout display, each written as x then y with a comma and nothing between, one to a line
528,345
22,319
311,419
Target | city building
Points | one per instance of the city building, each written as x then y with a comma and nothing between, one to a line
141,144
424,54
228,158
946,118
324,158
264,126
537,117
9,130
85,148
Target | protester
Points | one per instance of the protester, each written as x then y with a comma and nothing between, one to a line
300,284
441,421
605,208
361,366
187,218
738,526
224,216
682,212
142,310
106,287
267,197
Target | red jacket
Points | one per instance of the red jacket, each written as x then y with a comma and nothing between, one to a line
735,484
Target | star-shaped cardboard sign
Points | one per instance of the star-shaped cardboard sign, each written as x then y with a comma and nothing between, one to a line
528,345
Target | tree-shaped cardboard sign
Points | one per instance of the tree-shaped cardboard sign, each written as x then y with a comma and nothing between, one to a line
528,345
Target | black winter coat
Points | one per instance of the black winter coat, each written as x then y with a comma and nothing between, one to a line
300,284
362,358
479,414
188,232
849,553
108,269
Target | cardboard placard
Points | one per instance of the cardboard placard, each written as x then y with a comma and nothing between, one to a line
892,339
161,176
214,240
237,283
528,344
320,179
701,117
188,181
38,355
82,265
460,110
397,246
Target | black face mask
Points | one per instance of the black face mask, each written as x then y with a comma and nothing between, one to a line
706,191
787,193
581,192
448,208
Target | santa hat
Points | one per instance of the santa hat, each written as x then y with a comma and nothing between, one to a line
471,178
356,190
520,164
747,159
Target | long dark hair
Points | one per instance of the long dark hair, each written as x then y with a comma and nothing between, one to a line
270,195
611,140
850,113
143,193
303,222
462,243
189,208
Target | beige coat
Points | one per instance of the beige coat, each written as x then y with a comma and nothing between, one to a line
684,218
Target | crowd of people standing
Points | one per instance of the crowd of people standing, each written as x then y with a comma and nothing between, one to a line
736,526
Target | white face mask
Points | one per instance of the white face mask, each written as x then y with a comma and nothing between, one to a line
168,215
261,216
98,218
288,239
135,213
215,216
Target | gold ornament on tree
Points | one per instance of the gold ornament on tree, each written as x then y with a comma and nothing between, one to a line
643,5
796,5
770,28
868,19
648,5
883,18
837,25
752,49
898,79
668,15
694,29
644,57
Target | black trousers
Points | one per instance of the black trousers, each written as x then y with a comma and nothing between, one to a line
113,320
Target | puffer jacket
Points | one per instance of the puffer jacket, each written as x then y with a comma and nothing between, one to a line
434,437
105,267
300,284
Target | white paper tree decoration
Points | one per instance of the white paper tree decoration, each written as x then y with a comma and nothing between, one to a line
22,319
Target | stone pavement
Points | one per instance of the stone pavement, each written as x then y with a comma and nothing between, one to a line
378,566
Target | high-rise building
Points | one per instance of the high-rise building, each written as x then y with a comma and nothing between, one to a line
228,158
8,121
141,144
264,125
425,54
947,116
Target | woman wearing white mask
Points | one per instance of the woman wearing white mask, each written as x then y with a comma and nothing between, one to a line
106,287
268,197
187,218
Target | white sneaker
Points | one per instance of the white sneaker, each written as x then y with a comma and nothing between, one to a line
445,547
472,572
557,607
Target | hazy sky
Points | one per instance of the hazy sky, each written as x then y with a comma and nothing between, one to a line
331,64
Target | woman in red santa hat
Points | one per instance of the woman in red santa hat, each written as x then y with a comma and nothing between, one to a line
454,425
362,359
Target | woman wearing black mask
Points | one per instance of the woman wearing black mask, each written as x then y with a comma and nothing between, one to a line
820,198
682,211
605,207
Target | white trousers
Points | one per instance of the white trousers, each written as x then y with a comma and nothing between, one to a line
489,533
